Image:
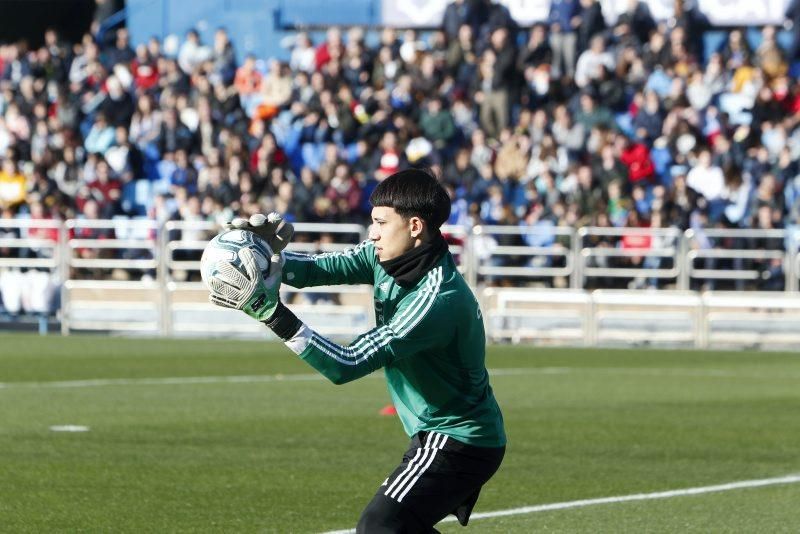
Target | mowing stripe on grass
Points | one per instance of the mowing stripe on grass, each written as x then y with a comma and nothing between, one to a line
520,371
743,484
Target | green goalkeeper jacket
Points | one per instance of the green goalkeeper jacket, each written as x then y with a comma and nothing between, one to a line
429,339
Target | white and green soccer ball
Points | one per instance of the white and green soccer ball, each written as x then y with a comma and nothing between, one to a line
226,247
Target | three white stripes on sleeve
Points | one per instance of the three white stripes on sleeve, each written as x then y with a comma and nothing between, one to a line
420,463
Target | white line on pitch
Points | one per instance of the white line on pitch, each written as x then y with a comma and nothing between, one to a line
743,484
643,371
168,381
497,372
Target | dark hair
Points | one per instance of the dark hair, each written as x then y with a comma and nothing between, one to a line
414,192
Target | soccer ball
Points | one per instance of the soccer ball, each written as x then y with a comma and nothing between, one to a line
226,247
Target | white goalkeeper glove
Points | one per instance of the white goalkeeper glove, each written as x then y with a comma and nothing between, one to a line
248,291
271,228
259,298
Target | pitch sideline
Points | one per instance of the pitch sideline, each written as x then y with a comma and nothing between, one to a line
743,484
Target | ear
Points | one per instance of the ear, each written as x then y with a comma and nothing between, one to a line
416,226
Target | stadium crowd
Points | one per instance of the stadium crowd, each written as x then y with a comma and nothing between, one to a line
569,123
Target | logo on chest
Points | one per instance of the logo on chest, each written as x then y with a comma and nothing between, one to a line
380,307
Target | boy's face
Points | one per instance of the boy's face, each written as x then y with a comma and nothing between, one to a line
392,234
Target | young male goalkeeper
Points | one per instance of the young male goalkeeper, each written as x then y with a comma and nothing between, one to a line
429,340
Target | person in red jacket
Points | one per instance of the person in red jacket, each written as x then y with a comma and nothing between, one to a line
144,69
636,157
332,48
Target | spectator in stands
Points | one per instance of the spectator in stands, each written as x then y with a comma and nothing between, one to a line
100,137
462,175
16,123
736,51
185,175
67,174
13,185
591,115
608,167
144,69
42,189
275,91
105,190
38,212
331,49
591,23
247,82
223,56
495,83
590,62
564,20
145,127
91,212
192,52
117,106
648,122
85,53
638,20
303,57
124,158
389,159
537,53
437,125
707,179
462,60
458,13
121,53
509,130
174,135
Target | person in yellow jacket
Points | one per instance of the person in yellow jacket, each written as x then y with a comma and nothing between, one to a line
13,186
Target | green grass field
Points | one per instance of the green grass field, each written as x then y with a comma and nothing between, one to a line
279,450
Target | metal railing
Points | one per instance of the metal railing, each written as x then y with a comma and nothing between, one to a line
647,255
35,245
97,248
758,256
184,242
99,245
114,273
528,252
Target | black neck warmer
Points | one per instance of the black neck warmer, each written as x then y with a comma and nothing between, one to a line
409,268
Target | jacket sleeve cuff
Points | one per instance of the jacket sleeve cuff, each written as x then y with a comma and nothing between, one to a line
300,341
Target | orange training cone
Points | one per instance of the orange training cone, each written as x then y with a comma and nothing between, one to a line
389,409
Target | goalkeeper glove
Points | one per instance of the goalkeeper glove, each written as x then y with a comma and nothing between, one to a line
271,228
248,291
259,298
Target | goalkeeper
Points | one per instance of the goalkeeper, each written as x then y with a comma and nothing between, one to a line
429,340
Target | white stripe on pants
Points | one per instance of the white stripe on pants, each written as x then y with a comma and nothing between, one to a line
422,460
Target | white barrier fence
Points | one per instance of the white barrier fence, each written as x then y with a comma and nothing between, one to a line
644,318
137,276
